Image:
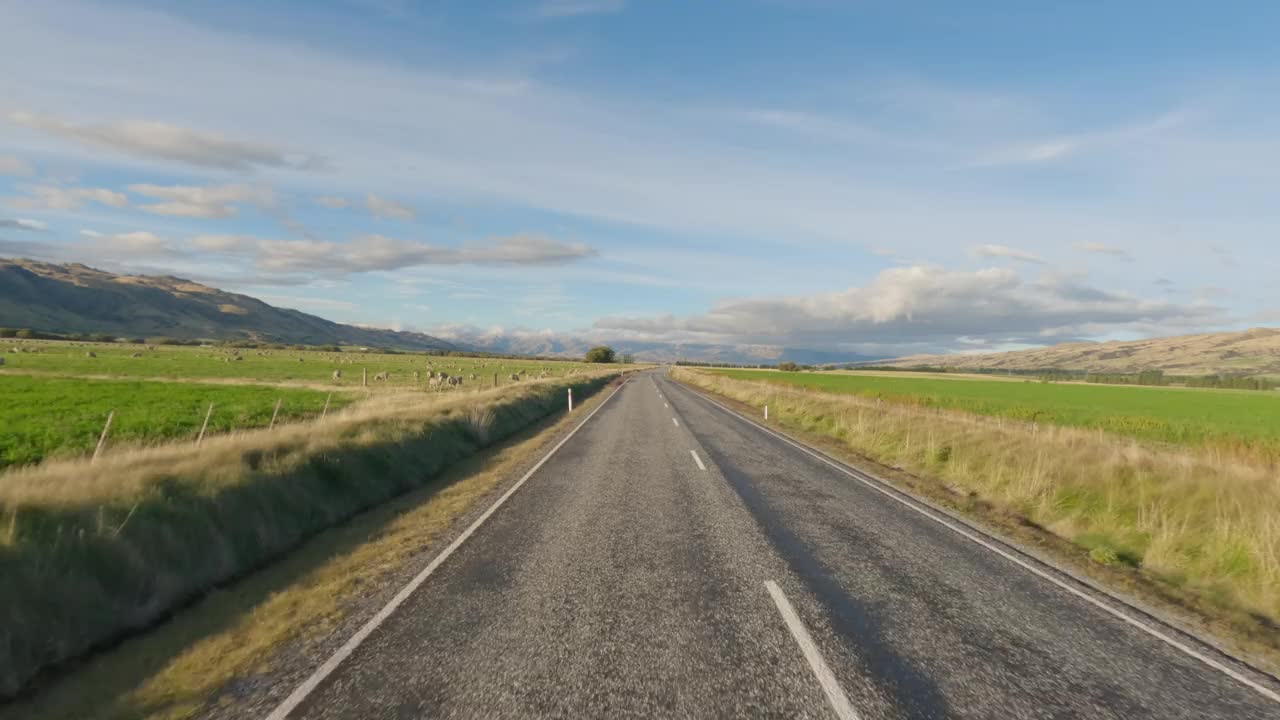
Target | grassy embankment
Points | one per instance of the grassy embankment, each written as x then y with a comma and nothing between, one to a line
47,417
1201,521
90,553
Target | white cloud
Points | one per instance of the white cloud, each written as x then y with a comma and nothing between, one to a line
377,252
385,208
23,224
575,8
162,141
215,201
222,243
10,165
50,197
917,308
135,244
1008,253
332,202
1103,249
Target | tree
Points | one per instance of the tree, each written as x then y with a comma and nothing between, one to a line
600,354
627,359
788,366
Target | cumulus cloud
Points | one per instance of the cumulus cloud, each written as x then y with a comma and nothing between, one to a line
51,197
1008,253
385,208
161,141
920,307
214,201
10,165
1103,249
575,8
378,252
23,224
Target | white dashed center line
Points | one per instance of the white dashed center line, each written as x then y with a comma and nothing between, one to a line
835,694
697,459
675,422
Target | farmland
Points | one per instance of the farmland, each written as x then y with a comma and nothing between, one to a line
55,396
60,417
1175,415
301,367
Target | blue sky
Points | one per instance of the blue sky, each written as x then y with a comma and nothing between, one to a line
873,177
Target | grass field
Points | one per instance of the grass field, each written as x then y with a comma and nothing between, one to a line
272,366
51,417
1177,415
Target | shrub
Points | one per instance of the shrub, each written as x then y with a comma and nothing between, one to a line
600,354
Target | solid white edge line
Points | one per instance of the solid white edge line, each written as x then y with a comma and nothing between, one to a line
311,683
932,515
697,459
835,694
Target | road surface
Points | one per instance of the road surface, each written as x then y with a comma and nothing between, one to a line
672,559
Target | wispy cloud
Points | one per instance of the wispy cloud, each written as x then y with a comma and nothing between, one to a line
23,224
387,208
215,201
10,165
1098,248
52,197
576,8
162,141
1007,253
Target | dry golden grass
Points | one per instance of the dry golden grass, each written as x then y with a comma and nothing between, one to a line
1203,521
90,552
175,669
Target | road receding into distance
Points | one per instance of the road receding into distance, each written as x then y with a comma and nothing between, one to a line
673,559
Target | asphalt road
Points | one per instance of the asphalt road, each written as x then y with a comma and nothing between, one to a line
674,560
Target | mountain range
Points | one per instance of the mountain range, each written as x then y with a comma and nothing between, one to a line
74,298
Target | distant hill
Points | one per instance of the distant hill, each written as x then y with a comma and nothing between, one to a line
549,344
75,298
1248,352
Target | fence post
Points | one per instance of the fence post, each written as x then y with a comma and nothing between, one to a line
495,379
274,414
364,377
205,425
325,411
102,439
766,412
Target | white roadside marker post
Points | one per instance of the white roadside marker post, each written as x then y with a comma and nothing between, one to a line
766,412
205,426
102,439
570,399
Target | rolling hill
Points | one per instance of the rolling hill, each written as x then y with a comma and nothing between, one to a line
1247,352
75,298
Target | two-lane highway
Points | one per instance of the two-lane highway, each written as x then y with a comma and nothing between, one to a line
674,560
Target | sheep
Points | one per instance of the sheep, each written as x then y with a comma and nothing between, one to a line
382,376
415,376
136,355
455,380
515,377
91,354
337,375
